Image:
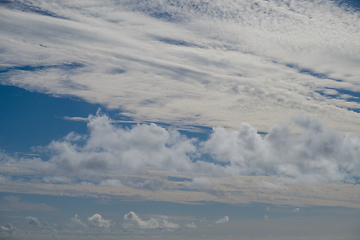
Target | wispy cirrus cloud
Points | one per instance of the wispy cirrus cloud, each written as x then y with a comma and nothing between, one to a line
209,62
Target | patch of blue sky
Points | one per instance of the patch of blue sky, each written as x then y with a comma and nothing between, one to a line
30,119
311,72
351,96
28,7
176,42
65,66
353,4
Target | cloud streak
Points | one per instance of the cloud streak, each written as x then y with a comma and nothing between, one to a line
207,61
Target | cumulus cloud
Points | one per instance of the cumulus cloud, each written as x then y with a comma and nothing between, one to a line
7,228
317,154
33,221
97,220
134,221
77,222
223,220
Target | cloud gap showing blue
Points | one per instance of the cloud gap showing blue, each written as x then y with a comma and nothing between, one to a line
29,7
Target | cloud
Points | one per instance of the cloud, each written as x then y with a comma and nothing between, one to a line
77,222
7,228
316,155
134,221
266,217
296,210
110,183
33,221
199,182
223,220
207,61
97,220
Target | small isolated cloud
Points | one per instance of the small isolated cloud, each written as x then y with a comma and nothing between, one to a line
33,221
268,208
223,220
76,222
191,225
110,183
134,221
266,217
97,220
7,228
296,210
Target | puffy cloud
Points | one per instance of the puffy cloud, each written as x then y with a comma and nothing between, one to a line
317,154
33,221
113,149
266,217
223,220
7,228
98,221
134,221
77,222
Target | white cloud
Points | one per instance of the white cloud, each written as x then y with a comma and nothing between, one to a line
110,183
223,220
212,63
77,222
199,182
97,220
296,210
266,217
7,228
134,221
316,155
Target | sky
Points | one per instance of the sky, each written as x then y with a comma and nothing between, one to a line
180,119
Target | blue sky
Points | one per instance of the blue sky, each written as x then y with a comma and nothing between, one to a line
179,119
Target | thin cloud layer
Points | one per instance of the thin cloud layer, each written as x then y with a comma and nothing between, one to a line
316,155
190,62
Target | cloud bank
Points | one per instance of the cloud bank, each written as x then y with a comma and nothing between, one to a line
207,63
316,155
